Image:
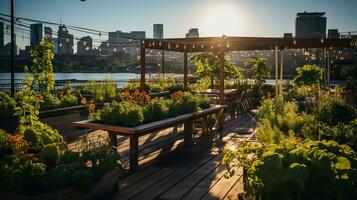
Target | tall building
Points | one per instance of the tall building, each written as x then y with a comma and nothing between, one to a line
84,46
35,34
193,33
48,33
1,35
333,34
65,41
158,31
310,25
119,41
288,35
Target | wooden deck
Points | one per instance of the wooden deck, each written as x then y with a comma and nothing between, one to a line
170,171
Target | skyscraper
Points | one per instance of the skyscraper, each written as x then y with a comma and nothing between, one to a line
65,41
48,33
35,34
158,31
193,33
333,34
1,35
84,46
310,25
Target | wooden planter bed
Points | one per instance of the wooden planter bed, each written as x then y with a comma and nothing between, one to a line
106,186
135,132
62,119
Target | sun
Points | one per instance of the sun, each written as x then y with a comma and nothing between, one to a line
221,19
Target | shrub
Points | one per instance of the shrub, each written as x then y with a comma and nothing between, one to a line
49,102
45,133
296,170
50,154
123,114
205,102
31,136
68,100
6,102
308,75
334,110
156,110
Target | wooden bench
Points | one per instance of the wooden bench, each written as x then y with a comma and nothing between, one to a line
135,132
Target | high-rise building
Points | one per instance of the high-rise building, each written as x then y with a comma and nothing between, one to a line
84,46
119,41
310,25
333,34
1,35
193,33
35,34
65,41
158,31
48,33
288,35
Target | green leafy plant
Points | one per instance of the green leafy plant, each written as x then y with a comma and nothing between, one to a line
156,110
50,102
296,170
50,154
207,65
308,75
6,102
123,113
42,67
258,69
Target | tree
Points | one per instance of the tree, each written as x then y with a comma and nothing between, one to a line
258,69
308,75
207,66
42,67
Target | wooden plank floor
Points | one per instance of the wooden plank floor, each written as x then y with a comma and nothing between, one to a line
170,171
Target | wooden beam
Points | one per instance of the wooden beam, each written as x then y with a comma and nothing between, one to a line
281,72
325,67
276,71
185,69
142,65
221,85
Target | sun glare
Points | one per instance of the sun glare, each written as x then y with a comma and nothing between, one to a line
221,19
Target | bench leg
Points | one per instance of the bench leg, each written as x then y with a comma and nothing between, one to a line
188,133
113,141
134,152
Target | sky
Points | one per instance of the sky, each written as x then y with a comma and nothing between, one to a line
269,18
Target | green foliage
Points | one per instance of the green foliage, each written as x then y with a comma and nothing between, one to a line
333,109
103,91
280,117
68,100
349,71
204,102
50,102
50,153
40,134
123,114
296,170
6,102
156,110
207,66
308,75
28,103
258,68
42,67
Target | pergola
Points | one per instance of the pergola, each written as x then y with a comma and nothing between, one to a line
220,45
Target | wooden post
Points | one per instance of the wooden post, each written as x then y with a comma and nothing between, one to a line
276,71
221,85
185,69
142,65
188,133
281,72
328,69
163,63
325,67
113,141
134,152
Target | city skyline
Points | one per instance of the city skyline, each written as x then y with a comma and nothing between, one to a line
210,17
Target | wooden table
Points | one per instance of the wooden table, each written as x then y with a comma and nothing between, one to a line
135,132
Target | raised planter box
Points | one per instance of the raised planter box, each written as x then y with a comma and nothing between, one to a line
62,119
106,186
135,132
